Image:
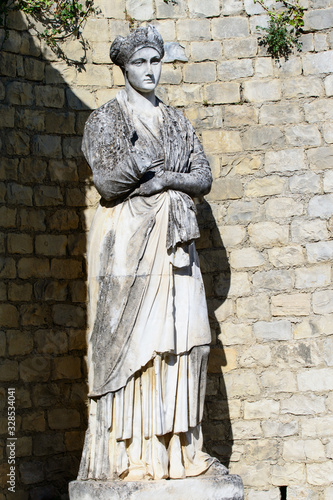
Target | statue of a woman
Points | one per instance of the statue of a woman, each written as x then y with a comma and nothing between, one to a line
149,334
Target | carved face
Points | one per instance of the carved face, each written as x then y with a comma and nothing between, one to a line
143,70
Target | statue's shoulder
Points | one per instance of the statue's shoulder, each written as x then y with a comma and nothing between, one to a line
178,116
108,112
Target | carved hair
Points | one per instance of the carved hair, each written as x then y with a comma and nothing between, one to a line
122,48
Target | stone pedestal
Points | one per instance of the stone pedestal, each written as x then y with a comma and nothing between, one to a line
223,487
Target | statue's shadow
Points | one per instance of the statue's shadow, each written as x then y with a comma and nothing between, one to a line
218,438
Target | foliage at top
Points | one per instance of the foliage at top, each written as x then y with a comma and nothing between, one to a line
60,18
284,29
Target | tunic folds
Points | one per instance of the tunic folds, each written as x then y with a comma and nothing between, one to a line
148,323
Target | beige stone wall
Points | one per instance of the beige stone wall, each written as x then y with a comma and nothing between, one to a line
266,247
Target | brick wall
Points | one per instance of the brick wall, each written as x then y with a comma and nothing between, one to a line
266,245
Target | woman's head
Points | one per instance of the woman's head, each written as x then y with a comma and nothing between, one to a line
123,48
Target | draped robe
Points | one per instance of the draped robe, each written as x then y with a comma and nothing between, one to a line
148,323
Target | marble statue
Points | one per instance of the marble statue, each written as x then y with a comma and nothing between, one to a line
149,334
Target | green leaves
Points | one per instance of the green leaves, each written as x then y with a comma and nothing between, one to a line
284,29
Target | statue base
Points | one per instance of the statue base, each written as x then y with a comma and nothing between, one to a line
222,487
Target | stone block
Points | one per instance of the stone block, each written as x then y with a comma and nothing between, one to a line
328,132
272,330
74,440
319,110
18,143
254,356
8,169
278,380
258,90
49,96
232,70
321,62
239,285
60,123
320,474
232,27
283,207
320,427
68,315
280,114
206,117
267,408
182,95
7,117
200,8
63,418
66,368
171,75
276,428
248,165
296,304
258,138
222,360
7,267
169,10
286,256
246,258
30,267
18,194
320,42
206,51
51,244
104,95
231,7
302,87
246,430
20,93
166,28
19,343
323,302
81,98
96,30
218,141
319,252
32,472
8,316
8,371
266,234
321,206
263,67
48,444
66,268
72,147
242,212
7,217
271,494
63,171
290,473
199,72
306,183
235,334
303,135
308,230
48,196
20,243
190,30
318,19
226,189
314,276
19,292
34,314
320,158
94,75
256,307
47,145
241,383
35,369
265,186
34,69
31,219
303,404
290,67
32,170
273,280
63,220
238,48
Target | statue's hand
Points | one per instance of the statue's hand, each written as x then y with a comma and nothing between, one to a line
155,184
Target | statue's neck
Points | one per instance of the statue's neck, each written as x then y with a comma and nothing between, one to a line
145,102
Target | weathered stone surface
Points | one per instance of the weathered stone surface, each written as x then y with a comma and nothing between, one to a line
318,110
286,256
286,160
302,87
263,138
243,212
240,48
206,51
200,72
321,206
229,28
291,304
320,474
35,369
321,62
303,135
63,418
236,333
323,302
318,19
198,8
168,10
222,93
290,473
303,404
257,355
278,380
255,307
267,408
314,276
320,158
226,189
265,186
221,140
257,91
193,30
235,116
308,230
306,183
283,207
272,494
246,257
321,251
228,487
276,330
68,315
280,114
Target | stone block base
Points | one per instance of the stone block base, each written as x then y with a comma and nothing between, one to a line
224,487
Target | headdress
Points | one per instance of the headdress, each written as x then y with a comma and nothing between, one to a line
123,48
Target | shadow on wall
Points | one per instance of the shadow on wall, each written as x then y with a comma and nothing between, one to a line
218,438
45,191
47,203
